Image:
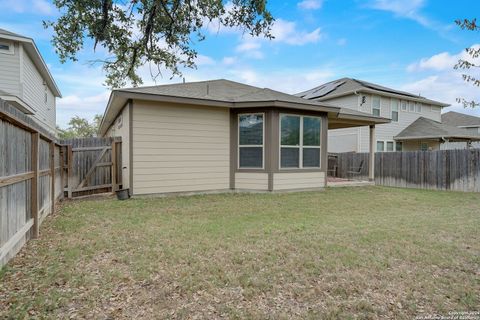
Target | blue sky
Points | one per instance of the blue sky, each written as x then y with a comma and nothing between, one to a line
406,44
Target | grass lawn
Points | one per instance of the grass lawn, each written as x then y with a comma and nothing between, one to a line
345,253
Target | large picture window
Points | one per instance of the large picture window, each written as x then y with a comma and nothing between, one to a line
299,141
250,141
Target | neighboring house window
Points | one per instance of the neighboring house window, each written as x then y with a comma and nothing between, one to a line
6,47
411,106
250,141
390,146
376,106
398,146
418,107
380,146
299,141
395,110
424,146
404,105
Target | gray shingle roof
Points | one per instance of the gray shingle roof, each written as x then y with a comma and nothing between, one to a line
350,85
424,128
224,91
458,119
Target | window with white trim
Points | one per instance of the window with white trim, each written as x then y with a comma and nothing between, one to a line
250,141
6,47
376,101
380,146
389,146
411,106
395,103
299,141
424,146
418,107
404,105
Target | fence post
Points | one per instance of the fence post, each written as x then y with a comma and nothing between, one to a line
371,162
34,184
52,174
114,165
61,156
70,171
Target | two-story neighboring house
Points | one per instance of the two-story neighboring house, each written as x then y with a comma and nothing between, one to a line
25,80
402,107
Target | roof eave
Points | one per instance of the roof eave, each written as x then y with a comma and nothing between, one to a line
33,50
399,96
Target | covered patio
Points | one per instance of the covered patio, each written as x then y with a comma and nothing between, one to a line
348,118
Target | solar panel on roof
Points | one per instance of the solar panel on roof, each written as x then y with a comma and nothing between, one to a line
323,90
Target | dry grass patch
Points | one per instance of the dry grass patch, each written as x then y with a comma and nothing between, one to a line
343,253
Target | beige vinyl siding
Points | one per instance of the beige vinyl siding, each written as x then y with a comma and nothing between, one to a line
34,93
298,180
10,72
121,128
180,148
251,181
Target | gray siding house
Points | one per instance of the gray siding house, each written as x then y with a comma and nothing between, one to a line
467,122
25,80
402,108
222,135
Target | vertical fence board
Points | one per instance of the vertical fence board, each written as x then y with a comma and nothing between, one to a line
457,170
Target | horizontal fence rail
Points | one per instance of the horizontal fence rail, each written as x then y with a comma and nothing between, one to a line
456,170
35,171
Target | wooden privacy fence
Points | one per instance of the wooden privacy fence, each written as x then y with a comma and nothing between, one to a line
91,167
30,179
457,170
36,171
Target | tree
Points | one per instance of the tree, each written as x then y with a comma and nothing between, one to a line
158,32
80,128
471,64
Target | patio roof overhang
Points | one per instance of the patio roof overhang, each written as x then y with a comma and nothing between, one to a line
347,118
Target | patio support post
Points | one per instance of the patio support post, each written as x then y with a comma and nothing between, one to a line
371,159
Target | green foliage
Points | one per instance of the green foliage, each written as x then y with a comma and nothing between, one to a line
466,65
160,33
80,128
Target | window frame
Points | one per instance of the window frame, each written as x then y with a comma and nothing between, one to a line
383,144
251,145
397,143
410,109
379,105
11,47
397,111
392,143
404,103
300,146
418,107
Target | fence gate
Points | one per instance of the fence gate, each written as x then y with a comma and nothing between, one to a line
93,165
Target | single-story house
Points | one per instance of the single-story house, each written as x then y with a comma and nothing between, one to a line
465,121
222,135
427,134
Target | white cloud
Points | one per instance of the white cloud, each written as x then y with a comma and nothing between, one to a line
250,47
39,7
442,61
202,60
80,105
287,32
229,60
310,4
409,9
441,81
